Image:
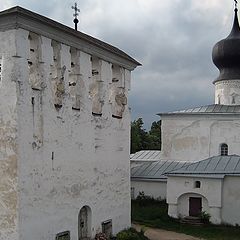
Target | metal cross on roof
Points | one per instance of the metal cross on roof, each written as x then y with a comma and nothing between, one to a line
77,10
236,3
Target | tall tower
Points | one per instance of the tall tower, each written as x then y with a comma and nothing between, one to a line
226,56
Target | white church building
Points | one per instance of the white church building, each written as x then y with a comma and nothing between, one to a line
64,131
209,136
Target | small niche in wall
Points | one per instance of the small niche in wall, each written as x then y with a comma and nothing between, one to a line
35,71
107,228
118,97
63,236
57,76
96,88
74,79
197,184
0,69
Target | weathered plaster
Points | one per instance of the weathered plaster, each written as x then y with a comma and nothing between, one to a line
54,160
196,137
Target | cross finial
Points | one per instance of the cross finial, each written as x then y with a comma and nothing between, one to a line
75,20
236,4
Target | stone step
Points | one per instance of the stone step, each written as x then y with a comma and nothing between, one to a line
192,221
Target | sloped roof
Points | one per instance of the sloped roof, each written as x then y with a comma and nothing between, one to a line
217,165
208,109
146,155
20,17
155,170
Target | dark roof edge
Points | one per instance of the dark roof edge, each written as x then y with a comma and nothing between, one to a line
20,12
198,113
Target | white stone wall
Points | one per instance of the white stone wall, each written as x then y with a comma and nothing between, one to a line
155,189
183,204
231,200
197,137
67,157
227,92
179,189
9,89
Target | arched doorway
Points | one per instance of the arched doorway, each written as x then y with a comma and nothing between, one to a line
84,223
191,204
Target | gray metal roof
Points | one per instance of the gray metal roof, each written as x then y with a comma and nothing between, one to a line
146,155
208,109
155,170
217,165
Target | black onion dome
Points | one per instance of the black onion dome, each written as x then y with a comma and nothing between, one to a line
226,54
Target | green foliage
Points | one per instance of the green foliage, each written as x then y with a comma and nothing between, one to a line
131,234
205,217
143,140
154,214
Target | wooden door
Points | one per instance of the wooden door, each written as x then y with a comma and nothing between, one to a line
195,206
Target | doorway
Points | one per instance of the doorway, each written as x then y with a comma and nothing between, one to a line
84,223
195,206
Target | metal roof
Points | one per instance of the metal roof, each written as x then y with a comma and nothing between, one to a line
146,155
155,170
217,165
208,109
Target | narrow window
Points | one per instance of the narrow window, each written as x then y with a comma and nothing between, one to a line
132,193
0,69
63,236
224,149
197,184
107,228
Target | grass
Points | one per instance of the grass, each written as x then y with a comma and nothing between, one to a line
153,213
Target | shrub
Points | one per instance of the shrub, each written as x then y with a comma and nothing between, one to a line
100,236
131,234
205,217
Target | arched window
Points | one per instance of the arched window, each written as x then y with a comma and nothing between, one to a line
224,149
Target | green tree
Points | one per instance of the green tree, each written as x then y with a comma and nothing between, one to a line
155,136
138,135
142,140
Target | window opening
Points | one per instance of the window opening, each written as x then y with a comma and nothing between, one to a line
224,149
107,228
197,184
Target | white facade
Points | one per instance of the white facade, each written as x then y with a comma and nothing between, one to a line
227,92
220,197
193,137
180,189
155,189
64,132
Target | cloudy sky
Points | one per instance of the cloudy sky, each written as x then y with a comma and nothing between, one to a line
172,39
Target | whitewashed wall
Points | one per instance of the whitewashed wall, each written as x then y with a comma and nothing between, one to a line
197,137
66,158
9,89
231,200
179,189
155,189
227,92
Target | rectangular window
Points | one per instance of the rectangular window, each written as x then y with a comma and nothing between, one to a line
107,228
63,236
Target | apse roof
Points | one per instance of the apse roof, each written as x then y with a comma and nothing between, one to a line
208,109
217,165
155,170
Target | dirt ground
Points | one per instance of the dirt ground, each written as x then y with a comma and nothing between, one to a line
159,234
